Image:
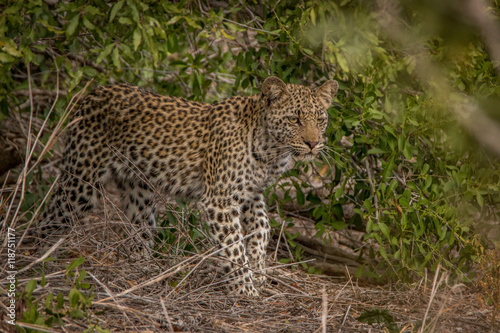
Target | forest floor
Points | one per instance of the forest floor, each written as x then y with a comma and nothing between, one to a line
174,293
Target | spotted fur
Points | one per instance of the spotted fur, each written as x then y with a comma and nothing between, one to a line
223,155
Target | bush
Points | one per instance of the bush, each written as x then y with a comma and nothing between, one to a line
75,305
418,168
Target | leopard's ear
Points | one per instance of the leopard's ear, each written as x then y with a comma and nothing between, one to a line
326,92
273,88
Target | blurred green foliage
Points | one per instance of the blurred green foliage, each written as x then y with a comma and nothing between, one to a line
75,305
416,175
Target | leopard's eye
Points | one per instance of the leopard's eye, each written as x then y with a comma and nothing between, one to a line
321,121
293,120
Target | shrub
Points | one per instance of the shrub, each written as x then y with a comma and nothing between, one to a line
417,172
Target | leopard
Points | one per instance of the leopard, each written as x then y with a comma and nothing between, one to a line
222,155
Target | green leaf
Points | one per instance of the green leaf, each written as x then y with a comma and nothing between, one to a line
30,287
116,8
173,20
126,50
4,57
88,24
73,24
74,264
227,35
480,200
377,151
31,314
312,14
411,185
60,301
233,27
385,230
77,77
43,280
50,28
376,316
382,250
137,38
91,10
135,12
116,58
11,48
74,297
448,186
39,321
338,225
82,274
48,301
125,20
308,51
428,182
84,285
388,168
77,314
313,199
13,9
407,151
300,194
425,168
192,23
107,50
390,130
369,225
342,61
368,204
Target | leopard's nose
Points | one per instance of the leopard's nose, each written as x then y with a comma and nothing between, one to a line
311,144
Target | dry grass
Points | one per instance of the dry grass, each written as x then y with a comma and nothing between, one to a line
173,293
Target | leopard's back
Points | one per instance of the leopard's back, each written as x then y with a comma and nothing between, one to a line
127,132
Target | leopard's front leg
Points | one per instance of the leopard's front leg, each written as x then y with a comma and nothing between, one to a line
256,225
225,228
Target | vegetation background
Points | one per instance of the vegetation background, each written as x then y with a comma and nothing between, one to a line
414,136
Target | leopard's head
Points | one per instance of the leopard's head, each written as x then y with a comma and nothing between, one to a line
296,116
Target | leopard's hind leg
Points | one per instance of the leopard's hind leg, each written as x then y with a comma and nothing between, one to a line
139,207
74,196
